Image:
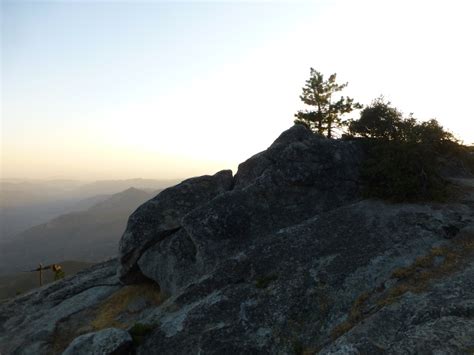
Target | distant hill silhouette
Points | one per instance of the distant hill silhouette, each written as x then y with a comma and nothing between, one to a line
90,235
17,218
114,186
27,203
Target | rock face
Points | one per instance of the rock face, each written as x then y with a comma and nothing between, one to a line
299,176
109,341
161,216
29,323
287,257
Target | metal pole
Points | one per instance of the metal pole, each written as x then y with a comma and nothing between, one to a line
41,274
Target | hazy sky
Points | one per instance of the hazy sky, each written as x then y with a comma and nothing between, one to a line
99,90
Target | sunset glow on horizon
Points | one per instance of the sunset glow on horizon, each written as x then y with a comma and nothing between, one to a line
113,90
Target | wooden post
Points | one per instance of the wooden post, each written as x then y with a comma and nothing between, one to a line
41,274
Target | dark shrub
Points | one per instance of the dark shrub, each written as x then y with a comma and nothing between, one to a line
406,157
400,171
379,120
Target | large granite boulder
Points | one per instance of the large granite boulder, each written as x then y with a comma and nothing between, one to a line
299,176
161,216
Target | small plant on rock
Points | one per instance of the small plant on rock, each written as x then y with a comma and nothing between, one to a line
138,332
264,281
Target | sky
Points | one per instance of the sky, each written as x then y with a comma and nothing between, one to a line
154,89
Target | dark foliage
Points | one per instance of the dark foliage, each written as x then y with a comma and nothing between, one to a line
405,156
401,171
379,120
265,281
459,156
139,331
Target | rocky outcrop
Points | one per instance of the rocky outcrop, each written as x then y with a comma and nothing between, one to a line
29,323
297,287
161,216
109,341
440,320
287,257
299,176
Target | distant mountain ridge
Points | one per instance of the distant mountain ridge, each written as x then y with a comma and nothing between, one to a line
26,203
90,235
113,186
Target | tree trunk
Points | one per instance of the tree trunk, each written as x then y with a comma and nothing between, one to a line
329,128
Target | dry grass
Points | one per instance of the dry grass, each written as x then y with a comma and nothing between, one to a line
105,314
355,315
117,303
341,329
392,295
324,304
424,261
415,278
438,251
323,300
401,273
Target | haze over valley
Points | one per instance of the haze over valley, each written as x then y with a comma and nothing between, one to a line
26,203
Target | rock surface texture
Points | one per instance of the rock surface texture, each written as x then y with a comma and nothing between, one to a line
161,217
284,257
110,341
29,323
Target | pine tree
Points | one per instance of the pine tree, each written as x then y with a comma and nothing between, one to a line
326,114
